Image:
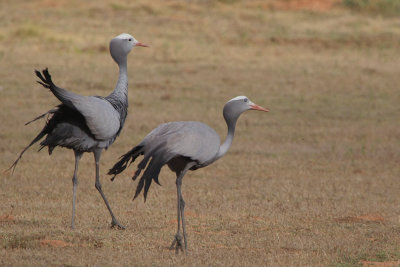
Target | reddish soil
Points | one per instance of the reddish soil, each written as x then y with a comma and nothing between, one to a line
6,218
362,219
380,264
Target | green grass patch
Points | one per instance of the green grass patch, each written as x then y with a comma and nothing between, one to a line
28,31
379,256
378,7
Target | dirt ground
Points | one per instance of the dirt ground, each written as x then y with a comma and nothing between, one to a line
314,182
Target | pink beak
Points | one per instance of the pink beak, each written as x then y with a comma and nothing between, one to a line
141,44
257,107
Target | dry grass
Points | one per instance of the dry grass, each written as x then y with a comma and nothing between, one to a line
313,182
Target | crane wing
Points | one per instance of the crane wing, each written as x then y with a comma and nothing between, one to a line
100,116
191,139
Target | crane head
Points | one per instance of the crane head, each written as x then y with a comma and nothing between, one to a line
244,103
236,106
121,45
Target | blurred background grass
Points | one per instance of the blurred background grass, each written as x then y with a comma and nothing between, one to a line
313,182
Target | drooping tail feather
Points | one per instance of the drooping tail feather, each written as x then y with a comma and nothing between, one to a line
51,111
152,171
140,167
42,133
121,165
47,83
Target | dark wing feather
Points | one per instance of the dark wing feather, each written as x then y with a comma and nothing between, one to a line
151,172
51,111
42,133
67,128
121,165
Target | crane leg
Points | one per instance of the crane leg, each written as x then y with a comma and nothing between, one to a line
78,156
177,242
183,218
114,222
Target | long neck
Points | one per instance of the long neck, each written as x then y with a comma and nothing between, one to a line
121,89
231,123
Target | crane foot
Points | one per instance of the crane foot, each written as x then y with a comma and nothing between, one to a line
177,244
117,224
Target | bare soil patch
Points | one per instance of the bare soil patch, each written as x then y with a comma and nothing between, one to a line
380,264
375,218
315,182
6,218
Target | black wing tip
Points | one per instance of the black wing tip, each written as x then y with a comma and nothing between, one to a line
12,168
41,116
43,84
14,165
116,169
45,70
46,80
137,194
47,74
124,161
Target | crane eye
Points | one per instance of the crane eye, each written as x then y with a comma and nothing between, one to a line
245,100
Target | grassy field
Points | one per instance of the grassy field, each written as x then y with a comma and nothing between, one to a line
314,182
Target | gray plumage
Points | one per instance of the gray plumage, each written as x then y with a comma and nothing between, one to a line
87,123
183,146
168,141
